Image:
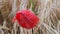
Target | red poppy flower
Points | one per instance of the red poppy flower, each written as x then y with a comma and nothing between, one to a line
26,19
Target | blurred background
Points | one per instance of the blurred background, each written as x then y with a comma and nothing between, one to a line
48,11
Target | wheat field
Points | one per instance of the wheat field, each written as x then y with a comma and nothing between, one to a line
48,12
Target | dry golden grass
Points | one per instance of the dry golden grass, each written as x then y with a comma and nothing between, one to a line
48,12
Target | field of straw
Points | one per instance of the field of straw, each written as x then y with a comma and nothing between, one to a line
48,12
